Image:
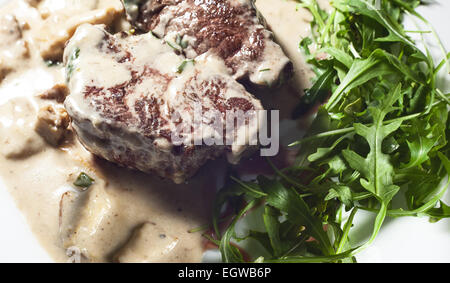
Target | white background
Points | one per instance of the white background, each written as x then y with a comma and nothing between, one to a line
401,240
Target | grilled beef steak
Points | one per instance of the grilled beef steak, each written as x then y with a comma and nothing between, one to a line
229,29
129,94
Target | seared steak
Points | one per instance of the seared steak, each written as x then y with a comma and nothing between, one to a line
227,28
130,94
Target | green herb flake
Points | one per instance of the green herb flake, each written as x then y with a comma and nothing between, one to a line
171,45
183,65
83,181
180,42
71,63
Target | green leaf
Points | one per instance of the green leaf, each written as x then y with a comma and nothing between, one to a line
222,197
445,162
378,64
249,188
297,211
304,44
339,55
344,238
420,144
231,253
436,214
320,124
390,145
361,71
320,90
343,193
272,225
260,237
368,9
376,167
422,186
430,204
324,151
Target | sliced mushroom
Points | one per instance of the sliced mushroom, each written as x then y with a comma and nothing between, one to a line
52,125
149,243
87,221
17,138
60,24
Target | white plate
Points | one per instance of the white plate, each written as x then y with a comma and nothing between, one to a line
401,240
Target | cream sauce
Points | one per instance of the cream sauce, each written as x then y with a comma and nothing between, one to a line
124,216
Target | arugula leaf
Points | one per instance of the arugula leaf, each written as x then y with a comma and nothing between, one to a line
319,91
361,71
272,224
378,64
436,214
324,151
231,253
347,226
343,193
338,54
422,141
297,211
376,168
366,8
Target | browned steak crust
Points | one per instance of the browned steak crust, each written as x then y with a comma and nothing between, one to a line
227,28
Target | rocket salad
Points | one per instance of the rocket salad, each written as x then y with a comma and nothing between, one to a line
380,134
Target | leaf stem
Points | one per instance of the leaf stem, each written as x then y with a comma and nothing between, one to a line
347,227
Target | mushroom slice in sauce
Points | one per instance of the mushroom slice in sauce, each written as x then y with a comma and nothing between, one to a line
87,220
53,123
13,48
17,136
149,243
62,17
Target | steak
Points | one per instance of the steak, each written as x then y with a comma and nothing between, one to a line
135,102
229,29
